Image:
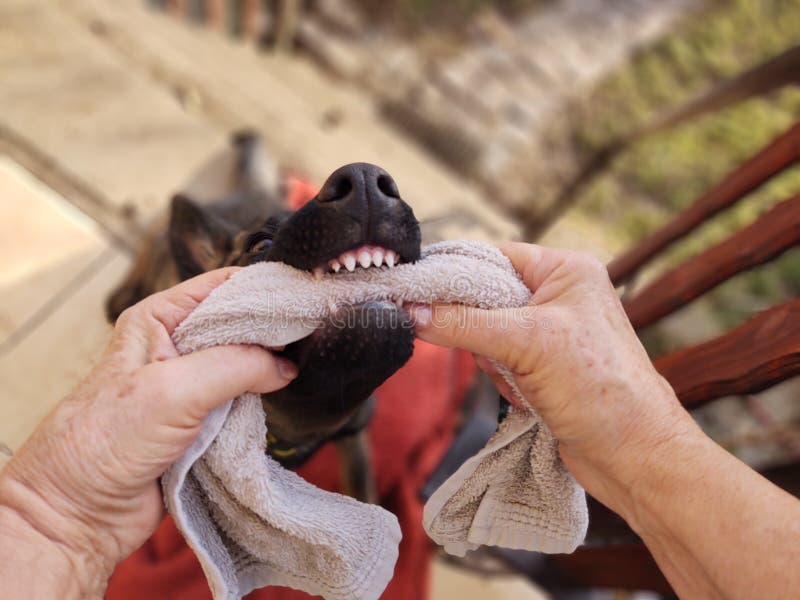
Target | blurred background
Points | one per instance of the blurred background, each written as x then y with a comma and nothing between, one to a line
557,121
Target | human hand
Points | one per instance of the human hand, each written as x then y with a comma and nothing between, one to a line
577,361
86,480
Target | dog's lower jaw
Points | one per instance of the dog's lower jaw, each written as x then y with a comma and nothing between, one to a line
340,365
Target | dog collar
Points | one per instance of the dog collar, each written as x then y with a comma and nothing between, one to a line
288,454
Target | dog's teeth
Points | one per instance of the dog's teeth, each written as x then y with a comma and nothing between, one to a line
349,261
364,258
318,272
335,265
398,302
377,257
390,257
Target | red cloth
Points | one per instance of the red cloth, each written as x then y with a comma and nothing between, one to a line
298,191
412,428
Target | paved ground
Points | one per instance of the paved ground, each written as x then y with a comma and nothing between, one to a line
105,112
56,267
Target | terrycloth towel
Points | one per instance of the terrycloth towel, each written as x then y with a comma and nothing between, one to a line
416,414
253,523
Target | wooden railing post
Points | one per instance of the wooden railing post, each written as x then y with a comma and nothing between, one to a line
250,18
286,21
215,14
176,8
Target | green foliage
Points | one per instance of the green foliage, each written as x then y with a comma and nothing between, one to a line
655,179
788,270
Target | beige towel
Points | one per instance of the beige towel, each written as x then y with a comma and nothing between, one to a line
252,523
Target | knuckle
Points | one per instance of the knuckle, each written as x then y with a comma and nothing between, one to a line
132,386
126,317
457,325
135,314
460,327
532,251
526,317
251,360
258,356
590,264
444,317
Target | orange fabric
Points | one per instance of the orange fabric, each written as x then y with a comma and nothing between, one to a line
298,191
412,428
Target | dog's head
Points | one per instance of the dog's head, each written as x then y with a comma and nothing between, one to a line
357,221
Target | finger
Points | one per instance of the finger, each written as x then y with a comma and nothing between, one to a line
564,269
501,334
533,262
197,383
143,332
521,253
173,305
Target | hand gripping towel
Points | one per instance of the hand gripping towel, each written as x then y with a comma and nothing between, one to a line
253,523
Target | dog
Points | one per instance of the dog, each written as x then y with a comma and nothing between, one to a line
357,220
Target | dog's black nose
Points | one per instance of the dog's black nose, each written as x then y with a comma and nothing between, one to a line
358,205
360,183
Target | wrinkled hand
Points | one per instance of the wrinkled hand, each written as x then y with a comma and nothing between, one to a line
576,360
87,478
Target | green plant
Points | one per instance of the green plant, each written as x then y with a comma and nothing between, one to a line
655,179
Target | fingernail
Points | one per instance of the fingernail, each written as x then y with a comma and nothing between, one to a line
286,368
421,314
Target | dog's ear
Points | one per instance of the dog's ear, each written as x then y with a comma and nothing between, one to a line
200,240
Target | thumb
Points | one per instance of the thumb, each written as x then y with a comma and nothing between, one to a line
501,334
197,383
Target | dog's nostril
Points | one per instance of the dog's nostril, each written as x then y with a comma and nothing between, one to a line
359,182
337,189
387,185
